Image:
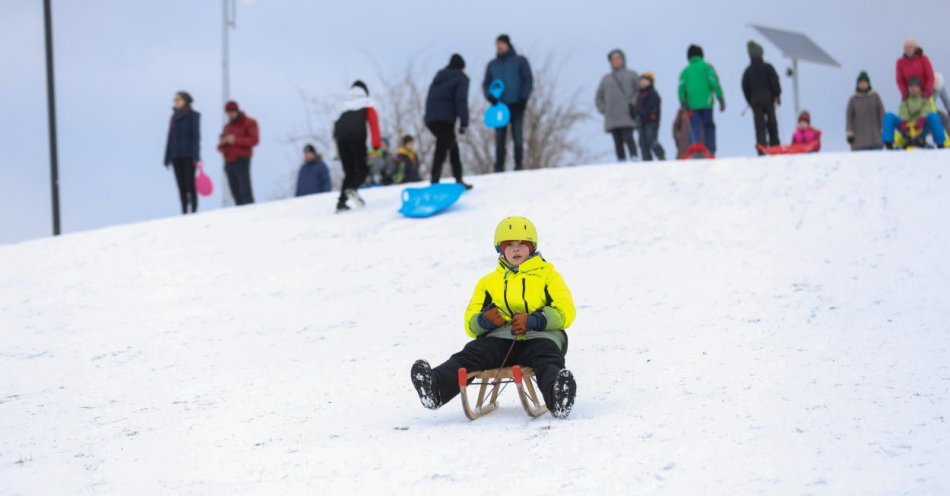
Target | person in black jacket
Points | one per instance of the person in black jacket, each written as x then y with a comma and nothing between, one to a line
183,149
515,71
763,92
447,102
648,105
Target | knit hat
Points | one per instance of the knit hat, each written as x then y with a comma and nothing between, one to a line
914,81
694,51
648,75
804,116
362,85
456,62
184,95
231,106
755,49
310,149
863,76
504,38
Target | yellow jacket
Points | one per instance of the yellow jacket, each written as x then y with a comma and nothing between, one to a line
534,286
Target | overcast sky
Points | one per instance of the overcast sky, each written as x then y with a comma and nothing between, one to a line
118,64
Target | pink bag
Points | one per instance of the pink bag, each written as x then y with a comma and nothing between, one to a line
203,181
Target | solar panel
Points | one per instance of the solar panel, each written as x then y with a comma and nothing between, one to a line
797,46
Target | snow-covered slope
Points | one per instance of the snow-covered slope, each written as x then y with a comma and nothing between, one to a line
766,326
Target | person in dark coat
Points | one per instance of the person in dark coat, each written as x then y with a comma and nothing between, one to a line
314,176
407,162
446,103
350,132
648,105
183,149
515,71
238,139
763,91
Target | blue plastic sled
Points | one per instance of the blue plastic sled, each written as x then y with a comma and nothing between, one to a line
425,202
498,115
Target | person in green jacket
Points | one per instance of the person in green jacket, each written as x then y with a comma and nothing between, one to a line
698,89
915,120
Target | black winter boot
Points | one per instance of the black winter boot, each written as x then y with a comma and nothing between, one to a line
564,390
424,382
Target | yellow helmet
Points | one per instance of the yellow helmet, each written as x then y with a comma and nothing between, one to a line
516,229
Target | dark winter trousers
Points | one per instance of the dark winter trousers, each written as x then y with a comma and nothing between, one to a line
702,129
649,141
540,354
445,144
517,135
355,170
624,136
185,177
239,178
766,127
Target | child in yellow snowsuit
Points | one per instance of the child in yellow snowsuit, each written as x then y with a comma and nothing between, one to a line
517,316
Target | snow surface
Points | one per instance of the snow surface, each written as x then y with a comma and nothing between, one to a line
746,326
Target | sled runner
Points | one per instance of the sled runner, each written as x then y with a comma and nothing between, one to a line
426,202
697,150
788,149
522,377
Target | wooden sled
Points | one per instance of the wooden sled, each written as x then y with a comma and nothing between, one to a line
522,377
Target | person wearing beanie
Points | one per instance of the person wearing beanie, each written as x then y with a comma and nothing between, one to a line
314,175
183,149
407,162
446,105
350,133
518,315
763,91
616,99
648,105
515,71
864,116
915,120
805,134
236,144
913,63
698,89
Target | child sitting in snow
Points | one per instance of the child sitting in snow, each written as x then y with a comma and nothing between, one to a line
805,134
517,316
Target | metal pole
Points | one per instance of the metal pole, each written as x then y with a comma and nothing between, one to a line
226,5
51,107
798,108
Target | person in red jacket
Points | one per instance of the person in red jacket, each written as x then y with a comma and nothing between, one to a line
914,64
237,143
349,131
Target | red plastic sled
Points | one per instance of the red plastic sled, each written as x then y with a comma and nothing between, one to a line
788,149
697,150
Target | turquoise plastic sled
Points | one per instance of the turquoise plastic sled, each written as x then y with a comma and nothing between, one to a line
425,202
498,115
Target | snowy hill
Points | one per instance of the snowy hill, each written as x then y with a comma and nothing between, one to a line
749,326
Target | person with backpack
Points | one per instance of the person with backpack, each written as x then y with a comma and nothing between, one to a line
698,90
864,117
349,131
183,149
616,100
763,91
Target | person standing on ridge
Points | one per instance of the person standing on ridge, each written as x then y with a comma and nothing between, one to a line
515,71
238,139
698,89
183,149
616,100
446,103
763,91
864,116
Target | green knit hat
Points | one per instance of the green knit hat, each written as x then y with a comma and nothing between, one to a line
755,49
863,76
